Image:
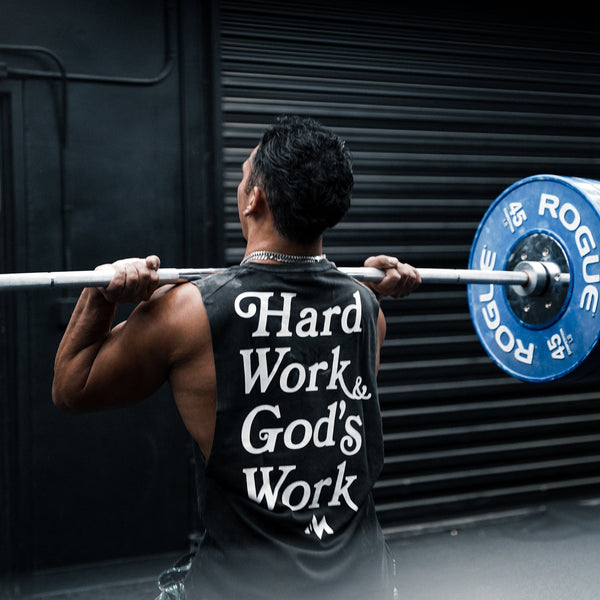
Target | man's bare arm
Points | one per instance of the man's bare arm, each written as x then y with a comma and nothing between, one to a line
98,366
400,280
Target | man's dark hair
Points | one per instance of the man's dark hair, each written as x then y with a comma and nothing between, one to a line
306,173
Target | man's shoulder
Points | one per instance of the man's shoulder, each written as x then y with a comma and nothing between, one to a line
174,293
173,305
178,318
216,280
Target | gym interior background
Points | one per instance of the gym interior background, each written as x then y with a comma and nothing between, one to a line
123,126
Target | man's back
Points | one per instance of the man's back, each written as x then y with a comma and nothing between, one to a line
286,492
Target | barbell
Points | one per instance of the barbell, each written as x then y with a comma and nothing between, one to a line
533,278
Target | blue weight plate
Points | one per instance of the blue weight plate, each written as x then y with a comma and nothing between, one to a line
565,211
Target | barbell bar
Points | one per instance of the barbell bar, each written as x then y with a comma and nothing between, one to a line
533,278
530,275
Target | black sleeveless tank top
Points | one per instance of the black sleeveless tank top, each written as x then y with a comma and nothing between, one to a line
285,496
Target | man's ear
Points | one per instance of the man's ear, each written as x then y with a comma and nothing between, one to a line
257,201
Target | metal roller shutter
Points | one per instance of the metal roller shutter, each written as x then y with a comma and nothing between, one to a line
441,115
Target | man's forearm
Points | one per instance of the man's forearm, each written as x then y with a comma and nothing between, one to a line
87,330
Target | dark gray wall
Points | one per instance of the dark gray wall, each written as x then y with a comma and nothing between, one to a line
104,142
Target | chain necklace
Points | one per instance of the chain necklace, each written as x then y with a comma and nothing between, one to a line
279,257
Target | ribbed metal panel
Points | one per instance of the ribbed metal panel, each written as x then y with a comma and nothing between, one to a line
441,115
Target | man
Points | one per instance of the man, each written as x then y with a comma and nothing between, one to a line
272,365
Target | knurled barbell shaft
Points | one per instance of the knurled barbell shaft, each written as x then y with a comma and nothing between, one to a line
101,278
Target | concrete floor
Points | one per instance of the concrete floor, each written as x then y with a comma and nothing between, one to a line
538,553
551,554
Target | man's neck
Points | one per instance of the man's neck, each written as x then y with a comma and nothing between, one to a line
284,247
